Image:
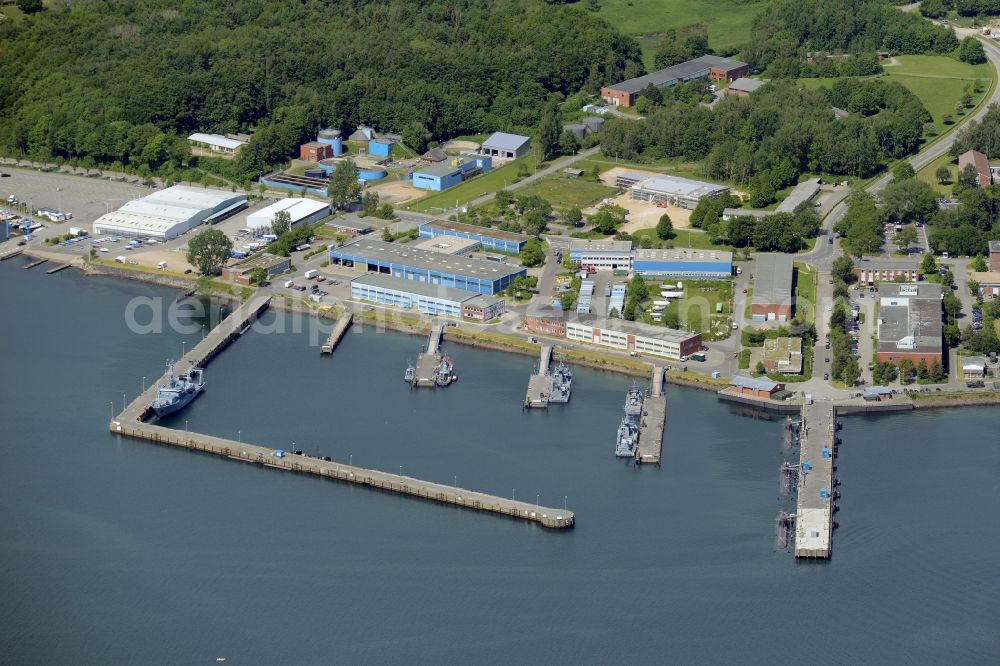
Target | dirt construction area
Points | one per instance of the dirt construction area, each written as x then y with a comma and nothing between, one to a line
396,191
454,147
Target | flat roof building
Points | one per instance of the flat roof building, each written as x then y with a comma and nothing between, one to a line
506,146
674,191
683,263
994,262
800,194
601,254
301,211
761,387
459,247
351,226
442,175
870,270
431,299
489,238
314,151
632,336
783,355
169,212
402,261
909,322
744,87
242,273
216,142
713,67
989,282
772,289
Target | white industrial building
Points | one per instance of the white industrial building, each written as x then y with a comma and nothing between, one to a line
629,336
168,213
431,299
601,255
216,142
301,211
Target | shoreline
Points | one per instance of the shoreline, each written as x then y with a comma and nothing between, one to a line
402,323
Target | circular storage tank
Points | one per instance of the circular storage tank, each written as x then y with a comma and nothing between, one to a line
332,138
328,165
371,172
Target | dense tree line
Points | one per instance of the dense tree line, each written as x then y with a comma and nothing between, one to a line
939,8
105,82
768,140
788,28
860,65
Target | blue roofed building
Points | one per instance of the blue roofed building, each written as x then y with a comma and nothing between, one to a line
490,239
683,263
441,176
4,230
435,268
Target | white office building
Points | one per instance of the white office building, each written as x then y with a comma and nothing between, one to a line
301,211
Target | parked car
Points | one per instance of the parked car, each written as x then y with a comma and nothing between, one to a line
826,376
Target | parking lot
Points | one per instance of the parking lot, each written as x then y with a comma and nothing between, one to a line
86,198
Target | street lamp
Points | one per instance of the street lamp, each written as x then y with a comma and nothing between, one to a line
239,436
143,384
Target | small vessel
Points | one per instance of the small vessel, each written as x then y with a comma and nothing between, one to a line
633,402
442,373
628,438
177,392
410,373
562,383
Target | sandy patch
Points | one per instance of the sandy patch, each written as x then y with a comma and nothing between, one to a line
456,146
176,261
396,191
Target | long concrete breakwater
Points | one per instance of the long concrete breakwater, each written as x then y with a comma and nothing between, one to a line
131,423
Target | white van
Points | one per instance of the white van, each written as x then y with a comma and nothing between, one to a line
310,274
161,265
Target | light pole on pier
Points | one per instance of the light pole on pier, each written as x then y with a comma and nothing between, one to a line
401,471
537,497
123,402
512,497
143,383
112,410
456,482
183,342
239,436
565,497
351,460
185,425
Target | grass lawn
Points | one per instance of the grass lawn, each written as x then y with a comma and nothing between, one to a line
939,82
927,174
690,238
727,21
697,309
569,192
805,283
469,190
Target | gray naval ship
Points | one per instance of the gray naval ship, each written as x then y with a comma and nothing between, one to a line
562,383
628,431
177,392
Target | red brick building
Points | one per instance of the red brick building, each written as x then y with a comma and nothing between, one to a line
552,325
754,387
711,67
882,269
314,151
994,256
982,165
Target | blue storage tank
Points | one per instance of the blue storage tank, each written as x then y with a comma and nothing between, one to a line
332,138
371,173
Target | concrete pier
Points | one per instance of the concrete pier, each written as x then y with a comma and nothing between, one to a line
654,413
814,502
343,323
540,383
13,253
60,267
37,262
130,423
428,361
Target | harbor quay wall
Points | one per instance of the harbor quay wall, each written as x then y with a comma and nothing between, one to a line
394,483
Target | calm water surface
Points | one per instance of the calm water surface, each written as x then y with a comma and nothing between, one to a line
117,551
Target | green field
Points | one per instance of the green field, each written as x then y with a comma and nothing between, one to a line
805,298
727,21
694,239
697,309
927,174
568,192
939,82
453,197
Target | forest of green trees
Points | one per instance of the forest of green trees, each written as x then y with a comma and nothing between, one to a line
108,82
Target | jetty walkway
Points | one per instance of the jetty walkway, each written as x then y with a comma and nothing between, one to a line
654,413
540,383
130,423
815,496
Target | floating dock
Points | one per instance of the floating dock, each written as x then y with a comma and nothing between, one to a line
816,493
654,413
11,254
343,323
60,267
130,423
540,383
433,369
37,262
